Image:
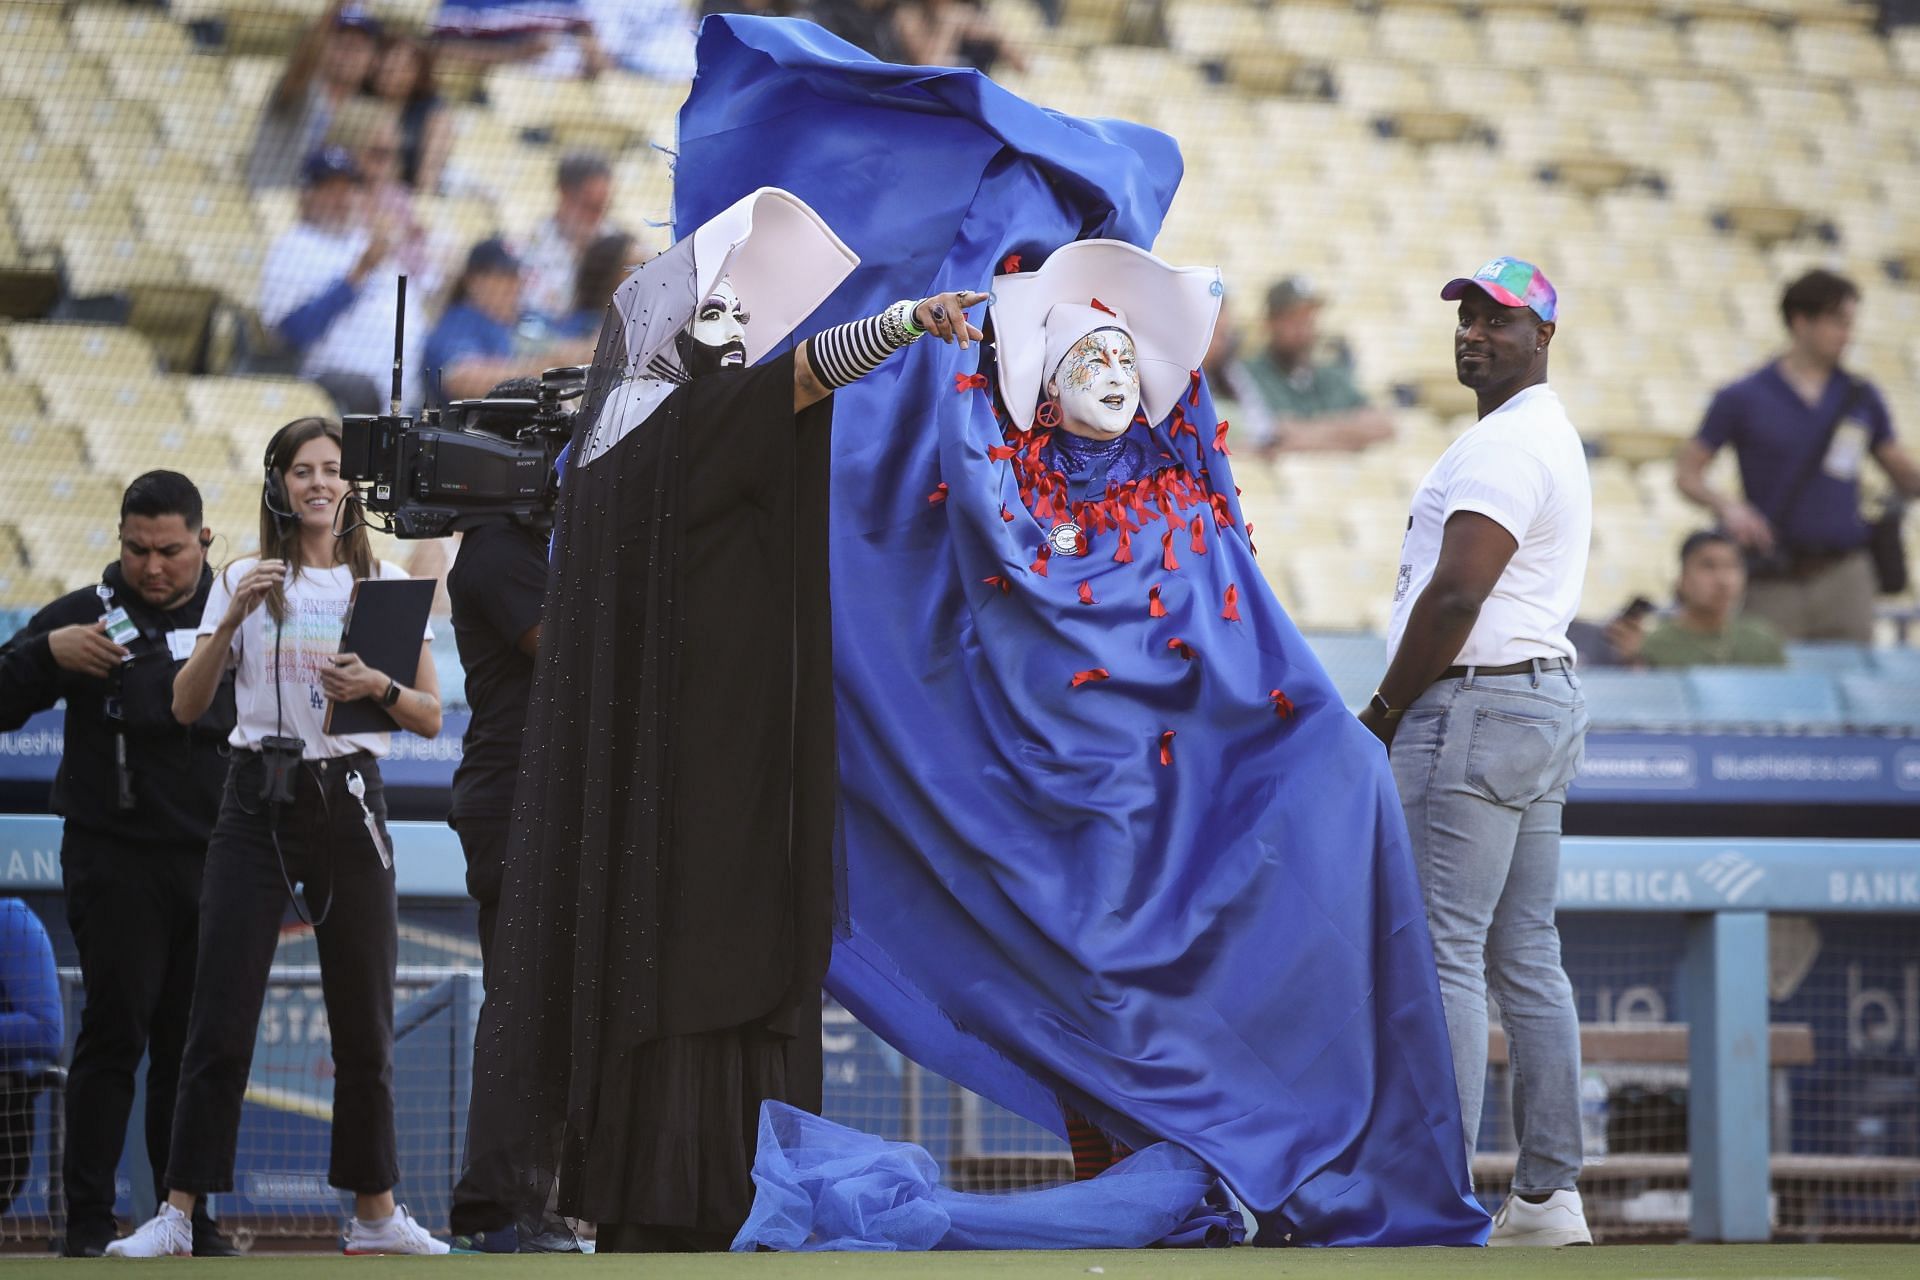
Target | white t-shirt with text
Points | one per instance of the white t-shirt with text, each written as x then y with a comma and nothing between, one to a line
316,610
1522,467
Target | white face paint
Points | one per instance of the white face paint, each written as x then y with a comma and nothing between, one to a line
1098,385
721,322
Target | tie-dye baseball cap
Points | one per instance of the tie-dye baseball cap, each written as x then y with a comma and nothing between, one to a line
1511,283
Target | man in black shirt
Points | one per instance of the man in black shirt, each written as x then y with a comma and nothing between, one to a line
497,583
139,793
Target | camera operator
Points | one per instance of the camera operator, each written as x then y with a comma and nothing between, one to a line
300,806
139,792
497,584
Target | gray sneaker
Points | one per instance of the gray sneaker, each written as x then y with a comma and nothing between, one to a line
398,1234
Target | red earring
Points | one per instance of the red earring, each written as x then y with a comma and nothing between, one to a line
1048,414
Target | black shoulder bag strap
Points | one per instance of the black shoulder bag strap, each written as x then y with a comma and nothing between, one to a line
1813,464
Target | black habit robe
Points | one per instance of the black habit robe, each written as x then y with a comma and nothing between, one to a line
666,918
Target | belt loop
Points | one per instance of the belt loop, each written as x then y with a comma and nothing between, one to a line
1536,673
1468,682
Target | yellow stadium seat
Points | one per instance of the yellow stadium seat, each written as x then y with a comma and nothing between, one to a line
46,208
22,588
18,119
1209,31
105,31
48,352
111,261
13,553
33,27
1633,42
193,78
1525,39
50,71
18,398
192,211
260,406
40,451
102,399
123,452
218,132
123,166
1430,35
1373,88
649,107
1740,46
252,79
26,156
1840,53
1323,31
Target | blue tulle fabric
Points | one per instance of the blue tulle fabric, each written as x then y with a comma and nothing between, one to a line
1176,896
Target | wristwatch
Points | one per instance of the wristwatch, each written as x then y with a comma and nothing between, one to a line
1379,703
392,695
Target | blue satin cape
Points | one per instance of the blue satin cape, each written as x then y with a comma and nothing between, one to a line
1214,938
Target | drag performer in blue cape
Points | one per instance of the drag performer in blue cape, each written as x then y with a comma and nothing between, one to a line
1108,843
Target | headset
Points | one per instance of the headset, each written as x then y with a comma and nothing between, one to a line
273,491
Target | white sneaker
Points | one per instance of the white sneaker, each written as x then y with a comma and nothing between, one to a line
398,1234
1557,1220
167,1234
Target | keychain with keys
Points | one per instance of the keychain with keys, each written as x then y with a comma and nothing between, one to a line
357,788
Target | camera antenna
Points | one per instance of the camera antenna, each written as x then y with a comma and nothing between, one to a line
399,342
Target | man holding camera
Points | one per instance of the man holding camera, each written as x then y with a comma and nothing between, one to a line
497,584
139,793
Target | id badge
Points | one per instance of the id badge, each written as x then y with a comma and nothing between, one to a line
1846,453
121,629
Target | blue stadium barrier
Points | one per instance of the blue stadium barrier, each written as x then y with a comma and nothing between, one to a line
1640,699
1826,656
1735,696
1881,702
1723,890
1900,663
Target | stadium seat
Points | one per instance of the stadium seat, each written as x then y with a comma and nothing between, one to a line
258,406
1878,702
40,451
1355,661
1732,697
1901,662
50,352
1637,699
96,398
47,208
1829,657
24,589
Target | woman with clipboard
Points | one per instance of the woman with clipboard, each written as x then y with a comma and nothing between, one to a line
302,805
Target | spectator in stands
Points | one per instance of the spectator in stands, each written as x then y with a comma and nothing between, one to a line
30,1037
1707,629
135,836
607,261
327,68
552,252
1617,642
310,813
552,37
1492,570
404,78
478,342
651,37
1801,427
1313,400
369,130
329,286
952,33
1235,396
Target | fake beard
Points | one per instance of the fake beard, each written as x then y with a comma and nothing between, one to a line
700,360
1099,384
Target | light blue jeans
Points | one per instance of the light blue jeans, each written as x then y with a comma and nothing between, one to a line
1483,765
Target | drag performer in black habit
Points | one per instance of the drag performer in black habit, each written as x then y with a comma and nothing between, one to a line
667,918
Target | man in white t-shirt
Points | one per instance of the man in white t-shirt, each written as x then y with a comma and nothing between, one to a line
329,286
1483,717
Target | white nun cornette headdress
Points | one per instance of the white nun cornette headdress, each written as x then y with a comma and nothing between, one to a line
1103,284
783,261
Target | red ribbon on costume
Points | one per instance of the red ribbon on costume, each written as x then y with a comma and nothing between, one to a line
1000,452
1220,439
1232,610
1154,608
999,580
1006,515
965,382
1250,545
1282,704
939,494
1123,554
1086,593
1098,305
1181,647
1009,264
1166,747
1039,564
1193,388
1088,676
1199,531
1167,559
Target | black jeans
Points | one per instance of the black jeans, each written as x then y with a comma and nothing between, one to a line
135,916
484,842
324,839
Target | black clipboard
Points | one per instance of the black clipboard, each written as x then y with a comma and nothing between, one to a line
386,620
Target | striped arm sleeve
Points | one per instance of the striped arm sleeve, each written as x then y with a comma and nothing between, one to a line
848,352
